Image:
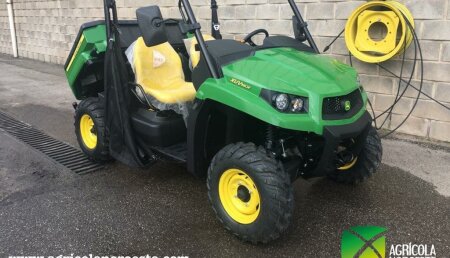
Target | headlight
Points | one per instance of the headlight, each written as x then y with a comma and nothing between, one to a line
281,101
297,105
286,103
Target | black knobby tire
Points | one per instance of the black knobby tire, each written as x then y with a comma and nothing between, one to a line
367,164
273,184
93,108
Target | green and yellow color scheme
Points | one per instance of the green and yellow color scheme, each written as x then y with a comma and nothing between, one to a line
348,105
256,117
239,196
77,49
284,70
91,41
364,242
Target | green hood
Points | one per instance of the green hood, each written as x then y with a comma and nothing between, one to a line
290,71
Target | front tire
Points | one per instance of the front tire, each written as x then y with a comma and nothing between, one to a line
90,130
365,165
250,193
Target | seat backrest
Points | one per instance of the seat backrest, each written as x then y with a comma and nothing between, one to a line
158,67
151,24
194,54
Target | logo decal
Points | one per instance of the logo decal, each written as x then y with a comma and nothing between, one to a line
364,242
158,59
347,105
240,84
75,53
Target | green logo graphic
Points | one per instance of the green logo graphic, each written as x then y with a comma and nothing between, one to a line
364,242
347,105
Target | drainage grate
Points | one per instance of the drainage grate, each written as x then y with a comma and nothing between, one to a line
60,152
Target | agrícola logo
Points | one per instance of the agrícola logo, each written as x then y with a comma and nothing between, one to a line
364,242
370,242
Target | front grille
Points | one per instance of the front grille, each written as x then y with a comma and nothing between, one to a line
334,107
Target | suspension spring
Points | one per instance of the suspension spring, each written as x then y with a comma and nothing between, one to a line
269,137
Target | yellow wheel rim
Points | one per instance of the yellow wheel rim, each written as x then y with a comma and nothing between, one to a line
349,165
239,196
88,133
356,31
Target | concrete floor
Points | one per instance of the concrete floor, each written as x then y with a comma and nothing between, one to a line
47,210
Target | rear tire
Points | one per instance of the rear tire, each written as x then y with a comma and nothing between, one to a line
90,130
250,193
367,164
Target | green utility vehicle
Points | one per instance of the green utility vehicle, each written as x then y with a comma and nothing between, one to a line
250,118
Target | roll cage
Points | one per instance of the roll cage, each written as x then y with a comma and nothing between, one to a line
191,25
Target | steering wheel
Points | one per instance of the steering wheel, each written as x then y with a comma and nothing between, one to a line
248,38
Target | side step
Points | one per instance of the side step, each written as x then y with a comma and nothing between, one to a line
178,152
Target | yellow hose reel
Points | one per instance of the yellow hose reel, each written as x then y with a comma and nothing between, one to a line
373,15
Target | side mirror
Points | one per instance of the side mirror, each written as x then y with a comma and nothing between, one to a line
299,31
151,25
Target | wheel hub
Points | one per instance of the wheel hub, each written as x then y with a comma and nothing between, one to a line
88,132
345,158
239,196
243,193
346,162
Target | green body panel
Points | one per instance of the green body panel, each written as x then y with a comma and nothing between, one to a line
90,40
284,70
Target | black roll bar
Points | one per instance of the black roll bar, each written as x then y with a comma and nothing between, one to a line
303,24
189,14
110,9
215,24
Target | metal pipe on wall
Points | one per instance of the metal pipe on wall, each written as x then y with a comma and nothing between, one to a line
12,27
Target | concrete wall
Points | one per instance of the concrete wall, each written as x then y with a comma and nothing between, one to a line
5,39
47,28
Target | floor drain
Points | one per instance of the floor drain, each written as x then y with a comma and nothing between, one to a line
60,152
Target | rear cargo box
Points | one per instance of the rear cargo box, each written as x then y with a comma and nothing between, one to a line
84,66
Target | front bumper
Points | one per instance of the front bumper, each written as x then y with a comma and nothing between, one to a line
333,136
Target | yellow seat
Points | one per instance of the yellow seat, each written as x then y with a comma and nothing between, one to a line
160,73
195,54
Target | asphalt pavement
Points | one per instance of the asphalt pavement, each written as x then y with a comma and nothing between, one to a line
47,210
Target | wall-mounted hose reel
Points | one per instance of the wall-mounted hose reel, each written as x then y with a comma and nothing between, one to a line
390,17
377,32
399,33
